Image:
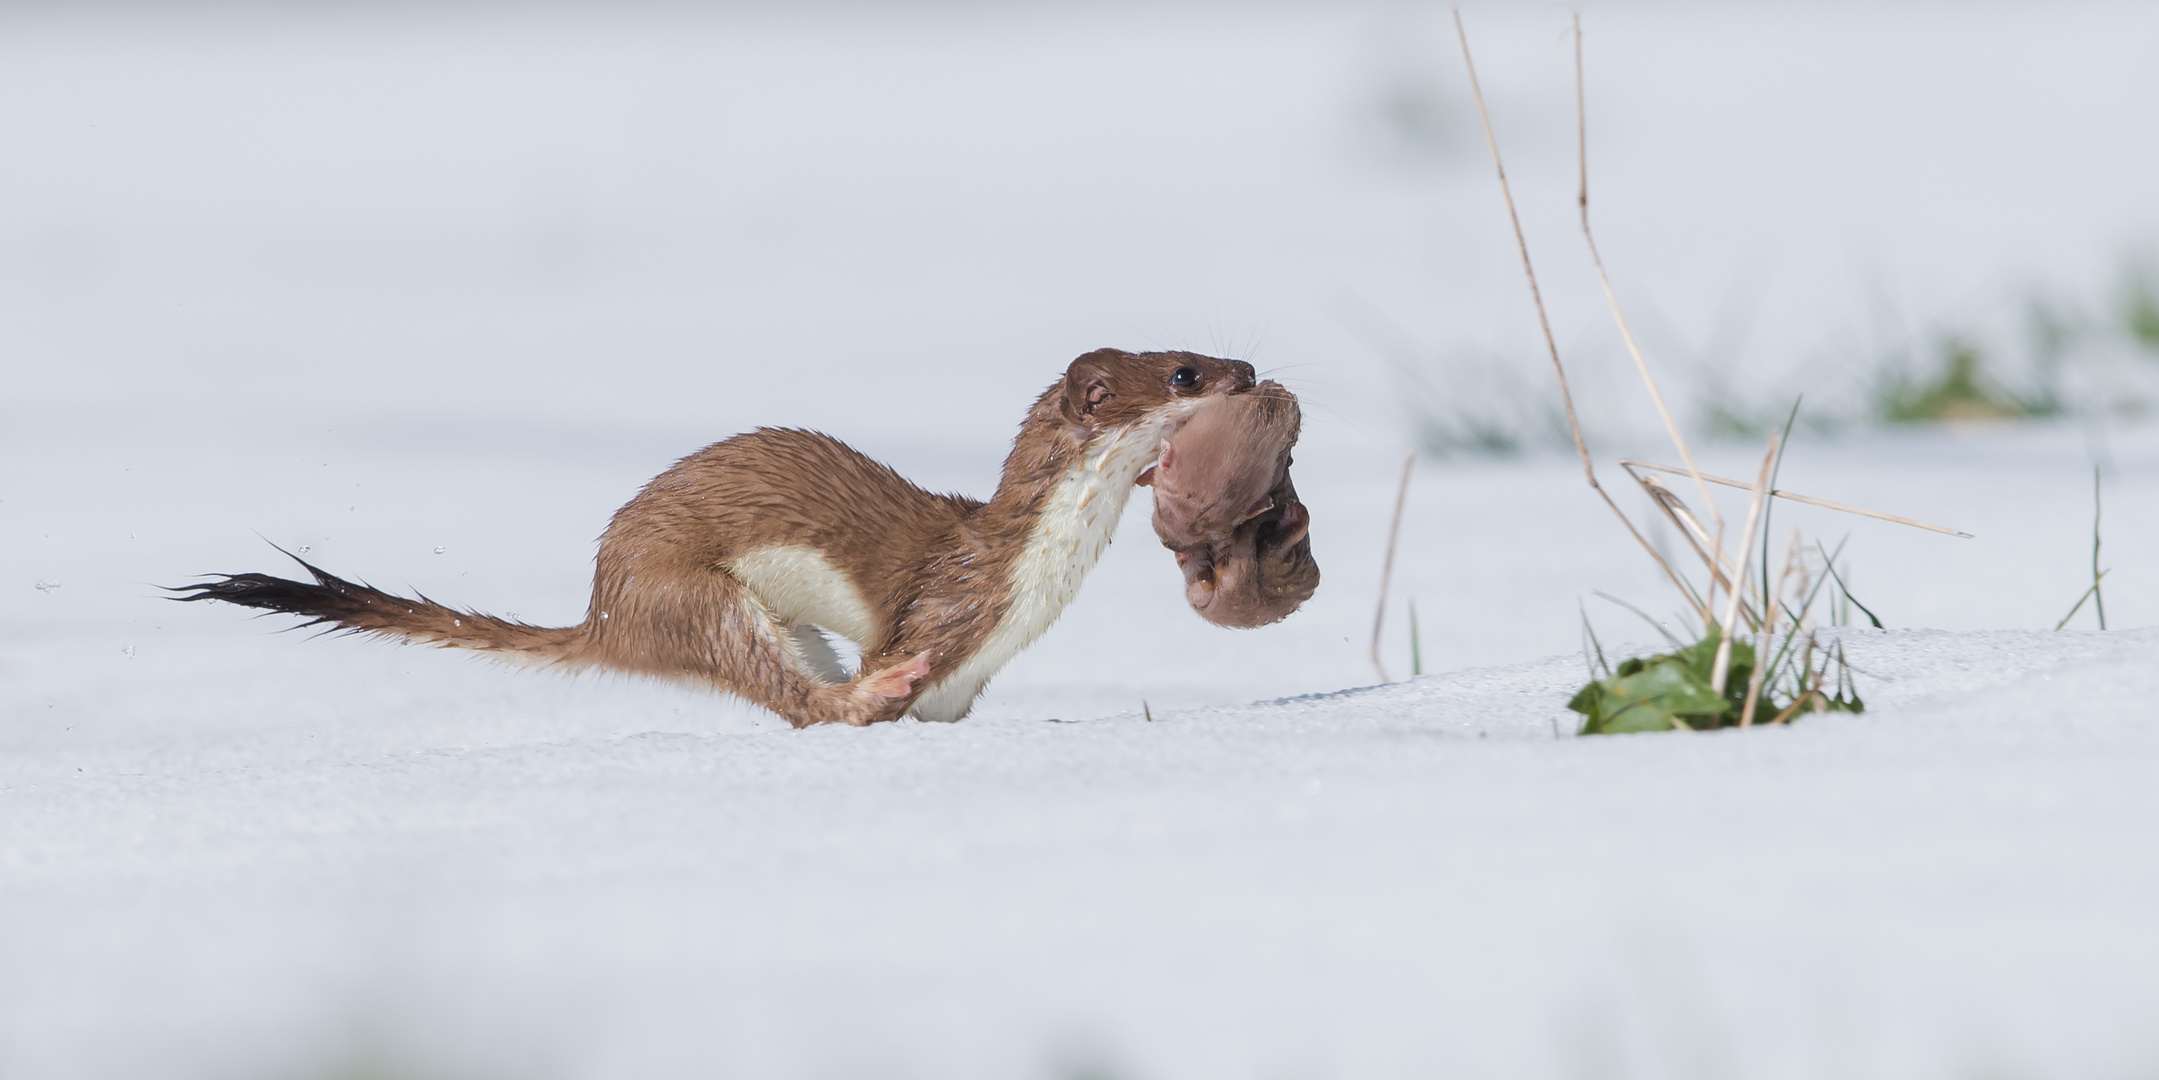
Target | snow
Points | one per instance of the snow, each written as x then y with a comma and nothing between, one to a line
432,295
1404,880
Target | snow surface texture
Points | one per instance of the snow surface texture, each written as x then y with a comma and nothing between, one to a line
430,297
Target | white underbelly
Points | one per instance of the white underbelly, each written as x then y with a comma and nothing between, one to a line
1077,522
799,585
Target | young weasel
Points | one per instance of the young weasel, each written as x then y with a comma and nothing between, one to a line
1223,501
724,568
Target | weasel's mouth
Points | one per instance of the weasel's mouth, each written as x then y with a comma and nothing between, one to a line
1164,456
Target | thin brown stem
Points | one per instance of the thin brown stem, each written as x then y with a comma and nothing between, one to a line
1720,673
1386,569
1544,323
1789,496
1675,510
1675,507
1626,332
1798,703
1672,508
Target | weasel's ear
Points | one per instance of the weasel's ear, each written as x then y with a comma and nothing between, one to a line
1087,384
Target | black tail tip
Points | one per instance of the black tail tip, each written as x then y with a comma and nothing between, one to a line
254,591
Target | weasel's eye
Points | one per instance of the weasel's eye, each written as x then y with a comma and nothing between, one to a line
1184,378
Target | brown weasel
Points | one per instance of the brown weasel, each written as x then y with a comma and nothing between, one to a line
725,567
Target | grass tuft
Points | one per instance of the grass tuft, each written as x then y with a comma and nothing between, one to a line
1681,690
1676,691
1720,680
1962,389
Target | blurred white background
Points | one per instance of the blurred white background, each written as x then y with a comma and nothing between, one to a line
250,251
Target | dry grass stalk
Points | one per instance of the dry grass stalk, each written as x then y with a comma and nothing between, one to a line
1674,508
1689,526
1632,697
1720,672
1770,605
1386,569
1792,710
1581,138
1714,557
1536,295
1630,464
1681,518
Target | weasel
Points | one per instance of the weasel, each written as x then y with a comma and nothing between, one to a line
722,571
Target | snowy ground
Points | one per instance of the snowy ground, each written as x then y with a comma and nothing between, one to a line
433,297
1413,880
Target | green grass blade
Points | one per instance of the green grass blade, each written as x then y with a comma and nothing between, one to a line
1416,648
1654,624
1848,597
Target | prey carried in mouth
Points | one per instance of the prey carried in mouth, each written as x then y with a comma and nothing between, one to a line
1224,502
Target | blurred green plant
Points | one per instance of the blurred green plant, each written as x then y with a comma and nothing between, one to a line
1959,389
2137,302
1460,402
377,1049
2048,357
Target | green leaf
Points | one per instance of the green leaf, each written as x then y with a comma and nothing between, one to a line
1673,690
1588,700
1672,685
1640,716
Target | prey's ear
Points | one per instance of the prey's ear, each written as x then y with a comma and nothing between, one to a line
1087,386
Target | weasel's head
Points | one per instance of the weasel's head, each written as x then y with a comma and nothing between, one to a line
1223,498
1110,390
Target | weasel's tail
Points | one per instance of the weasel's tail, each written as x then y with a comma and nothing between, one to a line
362,609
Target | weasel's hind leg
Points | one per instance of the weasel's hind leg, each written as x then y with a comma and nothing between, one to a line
712,629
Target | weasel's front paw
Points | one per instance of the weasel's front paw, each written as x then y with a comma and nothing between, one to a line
896,681
874,696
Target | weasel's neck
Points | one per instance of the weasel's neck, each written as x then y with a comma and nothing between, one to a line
1072,522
